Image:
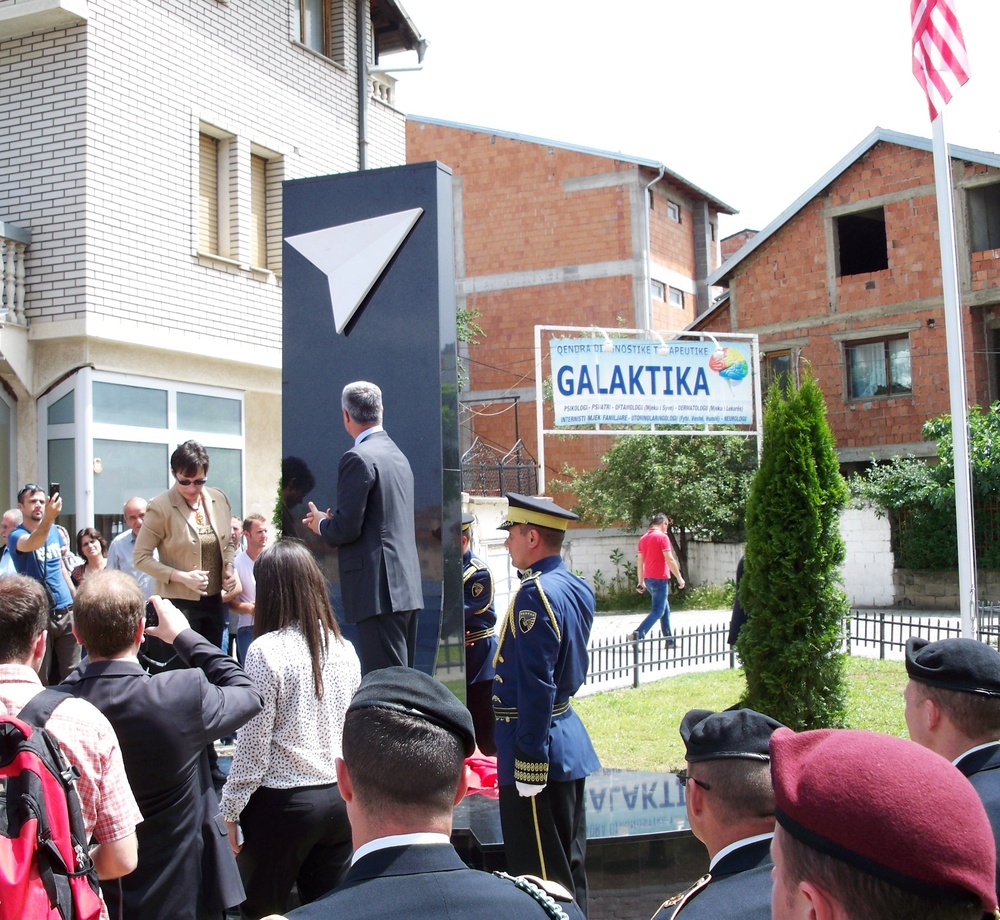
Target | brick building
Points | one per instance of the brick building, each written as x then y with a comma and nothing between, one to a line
847,281
549,233
142,149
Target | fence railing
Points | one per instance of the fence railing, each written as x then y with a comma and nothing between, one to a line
890,630
612,659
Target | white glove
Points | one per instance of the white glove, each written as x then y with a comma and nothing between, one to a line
528,789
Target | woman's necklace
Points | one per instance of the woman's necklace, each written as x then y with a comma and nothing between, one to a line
196,508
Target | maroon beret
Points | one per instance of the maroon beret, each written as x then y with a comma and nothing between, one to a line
887,807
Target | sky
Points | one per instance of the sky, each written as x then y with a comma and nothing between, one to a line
752,100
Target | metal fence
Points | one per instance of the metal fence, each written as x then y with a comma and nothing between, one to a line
888,631
612,659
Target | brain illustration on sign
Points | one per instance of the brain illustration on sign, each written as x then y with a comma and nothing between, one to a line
729,364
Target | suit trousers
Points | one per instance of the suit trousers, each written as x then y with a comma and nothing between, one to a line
62,652
546,835
387,640
298,836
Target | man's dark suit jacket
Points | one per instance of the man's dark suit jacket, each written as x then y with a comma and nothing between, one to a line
164,723
374,528
983,770
739,886
424,882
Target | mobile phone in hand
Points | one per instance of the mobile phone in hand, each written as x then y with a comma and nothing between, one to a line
53,488
152,617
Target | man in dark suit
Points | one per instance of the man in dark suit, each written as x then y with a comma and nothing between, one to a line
373,527
406,737
953,708
186,868
730,807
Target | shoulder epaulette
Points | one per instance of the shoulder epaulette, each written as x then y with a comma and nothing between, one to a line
532,886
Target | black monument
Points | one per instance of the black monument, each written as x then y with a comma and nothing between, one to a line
369,294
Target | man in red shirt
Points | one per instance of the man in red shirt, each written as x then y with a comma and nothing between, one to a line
656,560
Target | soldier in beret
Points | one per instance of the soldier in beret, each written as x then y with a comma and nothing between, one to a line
953,708
871,827
544,753
480,639
730,807
406,737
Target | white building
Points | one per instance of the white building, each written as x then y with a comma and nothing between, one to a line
142,148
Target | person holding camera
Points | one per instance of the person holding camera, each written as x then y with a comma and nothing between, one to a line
36,551
164,724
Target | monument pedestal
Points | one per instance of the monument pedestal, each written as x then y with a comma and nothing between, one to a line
640,849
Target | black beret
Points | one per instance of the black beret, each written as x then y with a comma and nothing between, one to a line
417,694
526,509
735,733
954,664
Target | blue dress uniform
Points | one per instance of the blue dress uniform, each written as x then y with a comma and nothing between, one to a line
541,661
738,885
480,644
480,619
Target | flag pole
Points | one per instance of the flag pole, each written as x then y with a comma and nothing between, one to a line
967,593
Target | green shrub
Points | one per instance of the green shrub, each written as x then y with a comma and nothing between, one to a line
790,645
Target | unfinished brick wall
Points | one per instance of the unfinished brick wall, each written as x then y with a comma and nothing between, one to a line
788,290
552,236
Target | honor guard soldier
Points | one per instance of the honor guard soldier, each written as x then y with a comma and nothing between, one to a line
871,827
480,639
953,708
544,753
406,737
730,807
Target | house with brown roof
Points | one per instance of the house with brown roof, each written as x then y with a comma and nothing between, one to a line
847,282
555,234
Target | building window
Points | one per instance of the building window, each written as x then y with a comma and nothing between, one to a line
323,27
676,298
213,194
861,242
258,211
266,174
658,290
208,193
880,368
136,423
776,370
984,217
674,211
314,25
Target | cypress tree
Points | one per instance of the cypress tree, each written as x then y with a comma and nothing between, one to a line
791,643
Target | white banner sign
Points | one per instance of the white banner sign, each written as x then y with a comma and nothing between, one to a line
693,383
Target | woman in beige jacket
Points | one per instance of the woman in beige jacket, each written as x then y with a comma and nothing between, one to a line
188,527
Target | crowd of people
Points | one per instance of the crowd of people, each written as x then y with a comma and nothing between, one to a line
348,762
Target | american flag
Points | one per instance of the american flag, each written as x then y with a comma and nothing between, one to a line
940,63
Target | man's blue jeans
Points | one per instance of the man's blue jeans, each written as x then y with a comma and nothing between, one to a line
244,636
659,589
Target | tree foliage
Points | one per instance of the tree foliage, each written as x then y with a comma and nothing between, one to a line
919,497
790,644
700,482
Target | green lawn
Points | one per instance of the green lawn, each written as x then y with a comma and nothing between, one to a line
637,729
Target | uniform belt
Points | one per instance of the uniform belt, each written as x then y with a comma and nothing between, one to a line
476,635
510,712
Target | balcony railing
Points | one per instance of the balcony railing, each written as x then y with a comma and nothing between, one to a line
383,87
13,245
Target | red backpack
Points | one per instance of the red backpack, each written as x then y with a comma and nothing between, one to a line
46,872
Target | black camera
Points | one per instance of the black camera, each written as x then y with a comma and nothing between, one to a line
152,617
